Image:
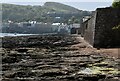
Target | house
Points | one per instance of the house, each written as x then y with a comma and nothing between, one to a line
63,29
75,28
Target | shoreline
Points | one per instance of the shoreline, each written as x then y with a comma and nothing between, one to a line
56,58
18,34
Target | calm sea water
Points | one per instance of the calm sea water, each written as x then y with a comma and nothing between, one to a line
16,34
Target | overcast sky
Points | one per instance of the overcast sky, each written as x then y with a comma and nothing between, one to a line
80,4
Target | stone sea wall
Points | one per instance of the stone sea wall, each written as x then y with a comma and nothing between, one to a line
98,30
105,36
89,30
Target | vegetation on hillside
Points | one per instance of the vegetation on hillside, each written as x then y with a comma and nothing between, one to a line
116,27
49,12
61,8
116,4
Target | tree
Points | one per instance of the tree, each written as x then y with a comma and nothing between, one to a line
116,4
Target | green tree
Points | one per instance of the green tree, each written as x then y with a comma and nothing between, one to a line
116,4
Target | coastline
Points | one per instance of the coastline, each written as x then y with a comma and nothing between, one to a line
18,34
55,58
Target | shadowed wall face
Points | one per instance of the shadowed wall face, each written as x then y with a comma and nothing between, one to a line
98,30
89,30
105,36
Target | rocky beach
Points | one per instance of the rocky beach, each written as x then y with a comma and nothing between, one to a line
55,58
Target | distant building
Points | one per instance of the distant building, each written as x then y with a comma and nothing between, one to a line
29,28
55,23
64,29
75,28
57,17
85,18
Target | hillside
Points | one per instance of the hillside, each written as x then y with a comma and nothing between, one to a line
45,13
58,7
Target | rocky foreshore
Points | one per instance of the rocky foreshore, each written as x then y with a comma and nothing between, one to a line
38,41
55,58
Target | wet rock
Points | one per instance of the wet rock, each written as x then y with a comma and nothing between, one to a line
9,59
90,78
110,79
53,58
83,64
6,67
22,50
53,74
38,41
101,64
23,74
10,75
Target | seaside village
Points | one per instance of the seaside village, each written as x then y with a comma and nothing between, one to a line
99,29
86,51
39,27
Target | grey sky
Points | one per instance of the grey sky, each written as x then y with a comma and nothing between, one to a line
80,4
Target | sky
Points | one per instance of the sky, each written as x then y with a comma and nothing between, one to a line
89,5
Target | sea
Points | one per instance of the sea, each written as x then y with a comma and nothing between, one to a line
17,34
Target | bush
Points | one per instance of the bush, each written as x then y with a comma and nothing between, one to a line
116,28
116,4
